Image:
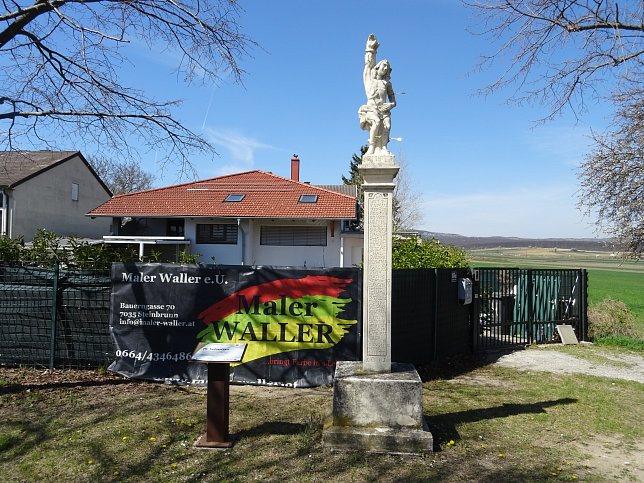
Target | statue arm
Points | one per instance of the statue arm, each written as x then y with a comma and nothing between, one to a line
370,57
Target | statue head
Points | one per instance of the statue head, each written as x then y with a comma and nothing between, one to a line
383,70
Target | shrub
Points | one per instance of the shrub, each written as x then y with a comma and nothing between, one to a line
414,253
611,318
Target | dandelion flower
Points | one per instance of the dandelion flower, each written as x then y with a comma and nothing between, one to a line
174,465
451,441
559,468
116,473
124,438
90,462
482,446
500,455
165,445
152,438
568,462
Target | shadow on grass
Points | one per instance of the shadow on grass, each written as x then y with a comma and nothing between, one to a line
272,428
453,366
443,426
14,387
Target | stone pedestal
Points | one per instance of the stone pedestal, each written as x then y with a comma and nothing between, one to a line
378,172
379,413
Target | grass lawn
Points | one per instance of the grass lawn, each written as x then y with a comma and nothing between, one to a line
489,424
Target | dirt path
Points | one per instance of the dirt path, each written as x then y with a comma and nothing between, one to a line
624,366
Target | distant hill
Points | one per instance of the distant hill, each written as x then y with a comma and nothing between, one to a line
472,243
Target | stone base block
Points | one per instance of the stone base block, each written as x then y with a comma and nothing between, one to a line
378,440
380,412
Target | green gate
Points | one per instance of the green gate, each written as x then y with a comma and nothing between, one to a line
522,306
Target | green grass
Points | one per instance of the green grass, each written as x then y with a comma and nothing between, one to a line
505,425
622,341
625,286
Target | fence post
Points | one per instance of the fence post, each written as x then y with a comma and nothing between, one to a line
583,306
530,321
54,307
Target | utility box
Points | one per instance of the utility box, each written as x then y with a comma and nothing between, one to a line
465,291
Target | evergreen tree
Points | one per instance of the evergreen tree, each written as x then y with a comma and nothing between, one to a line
355,179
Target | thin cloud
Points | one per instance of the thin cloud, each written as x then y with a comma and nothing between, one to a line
240,148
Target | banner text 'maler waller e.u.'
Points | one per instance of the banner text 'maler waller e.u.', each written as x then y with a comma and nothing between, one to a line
297,323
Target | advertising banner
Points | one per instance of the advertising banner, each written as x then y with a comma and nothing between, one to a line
296,322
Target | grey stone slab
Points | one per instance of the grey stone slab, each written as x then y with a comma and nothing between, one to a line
378,440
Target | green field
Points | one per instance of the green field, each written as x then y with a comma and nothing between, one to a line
607,275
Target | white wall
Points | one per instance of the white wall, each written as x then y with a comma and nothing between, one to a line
296,256
45,201
353,249
224,254
256,254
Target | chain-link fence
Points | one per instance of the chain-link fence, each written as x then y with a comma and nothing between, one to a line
54,317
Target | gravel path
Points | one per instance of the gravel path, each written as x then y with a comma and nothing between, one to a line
623,366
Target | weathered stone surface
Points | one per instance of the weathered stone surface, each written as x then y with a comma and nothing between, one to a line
378,440
376,302
392,399
378,412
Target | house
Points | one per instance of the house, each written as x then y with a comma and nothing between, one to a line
52,190
250,218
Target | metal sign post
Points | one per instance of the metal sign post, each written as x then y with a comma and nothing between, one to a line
218,356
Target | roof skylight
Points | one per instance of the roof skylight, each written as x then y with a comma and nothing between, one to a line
308,199
234,197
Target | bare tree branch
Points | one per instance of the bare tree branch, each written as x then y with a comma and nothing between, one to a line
558,51
62,80
612,176
121,177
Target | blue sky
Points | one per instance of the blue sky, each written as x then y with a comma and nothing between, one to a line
482,167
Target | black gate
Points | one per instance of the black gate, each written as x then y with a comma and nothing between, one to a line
516,306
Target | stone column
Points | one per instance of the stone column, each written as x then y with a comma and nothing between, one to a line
378,171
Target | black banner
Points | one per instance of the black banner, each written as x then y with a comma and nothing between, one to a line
297,323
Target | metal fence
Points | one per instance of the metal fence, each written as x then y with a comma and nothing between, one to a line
59,318
54,317
428,320
523,306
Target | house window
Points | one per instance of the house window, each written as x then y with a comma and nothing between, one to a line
74,191
308,199
219,233
305,236
234,198
174,228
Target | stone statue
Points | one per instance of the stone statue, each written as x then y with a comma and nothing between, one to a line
375,115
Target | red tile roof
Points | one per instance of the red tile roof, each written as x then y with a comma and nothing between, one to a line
267,196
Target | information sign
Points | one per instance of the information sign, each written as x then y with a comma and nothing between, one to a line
219,352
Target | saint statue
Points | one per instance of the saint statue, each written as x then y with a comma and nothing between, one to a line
375,115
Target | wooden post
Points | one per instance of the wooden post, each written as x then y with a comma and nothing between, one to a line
218,357
217,435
